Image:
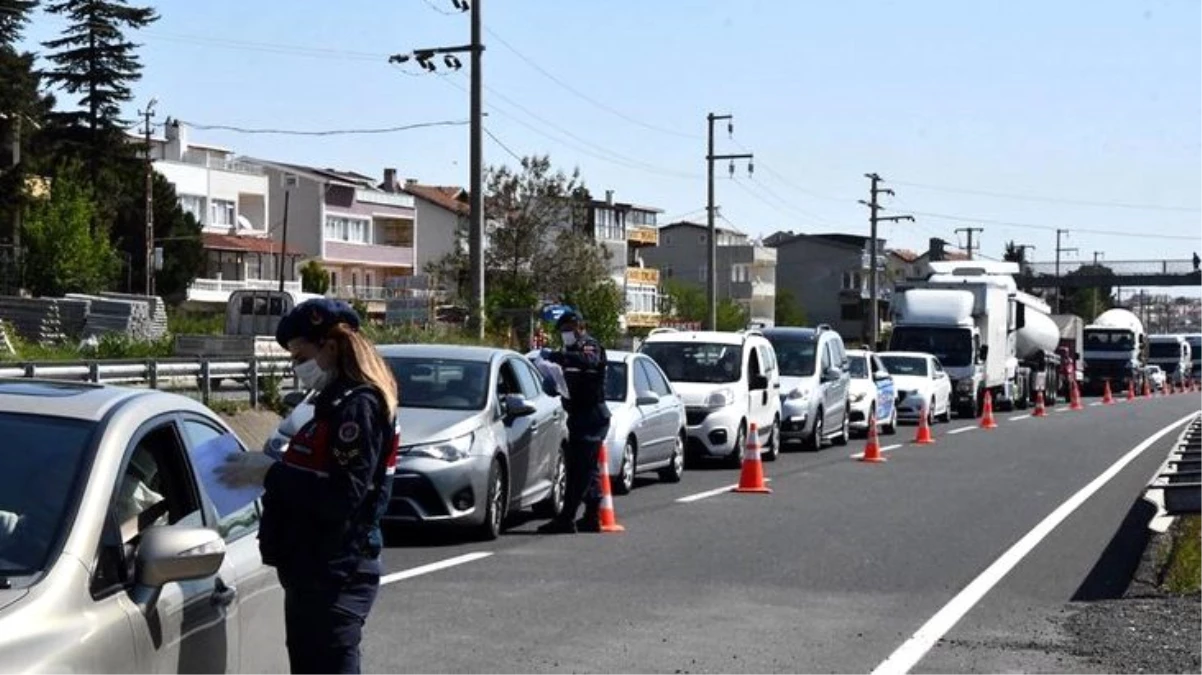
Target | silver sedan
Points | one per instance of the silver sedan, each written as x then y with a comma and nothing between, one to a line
114,555
647,423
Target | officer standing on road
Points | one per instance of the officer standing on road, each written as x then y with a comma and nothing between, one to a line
583,362
324,499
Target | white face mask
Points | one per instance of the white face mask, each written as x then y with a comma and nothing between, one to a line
311,375
569,338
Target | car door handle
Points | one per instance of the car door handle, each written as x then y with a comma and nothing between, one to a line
223,595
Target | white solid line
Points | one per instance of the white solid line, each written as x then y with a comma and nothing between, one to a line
911,651
433,567
1095,404
886,448
711,493
1019,417
960,430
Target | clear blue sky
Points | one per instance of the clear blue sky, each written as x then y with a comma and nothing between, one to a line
1093,100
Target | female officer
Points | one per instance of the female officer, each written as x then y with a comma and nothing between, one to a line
323,500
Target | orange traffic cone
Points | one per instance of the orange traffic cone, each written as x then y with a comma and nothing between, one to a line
1131,391
1107,396
751,478
987,421
924,436
605,512
1147,389
872,451
1076,398
1040,411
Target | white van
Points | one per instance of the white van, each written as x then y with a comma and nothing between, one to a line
727,381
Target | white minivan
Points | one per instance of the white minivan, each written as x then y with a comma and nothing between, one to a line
728,381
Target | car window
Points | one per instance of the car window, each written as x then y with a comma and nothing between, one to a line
697,361
615,381
447,384
538,377
526,381
507,383
858,367
156,486
642,383
753,362
877,365
244,521
797,356
659,383
769,356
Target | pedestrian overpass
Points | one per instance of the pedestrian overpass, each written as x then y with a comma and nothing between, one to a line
1124,273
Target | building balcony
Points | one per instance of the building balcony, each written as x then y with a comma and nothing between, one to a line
642,319
368,254
745,290
218,290
371,293
397,199
642,275
642,236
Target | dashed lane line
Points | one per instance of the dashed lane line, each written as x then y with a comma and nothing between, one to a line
433,567
886,448
1019,417
960,430
711,493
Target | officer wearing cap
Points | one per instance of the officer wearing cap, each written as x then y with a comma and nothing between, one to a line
324,499
583,361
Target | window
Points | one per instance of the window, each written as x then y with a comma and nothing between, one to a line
754,364
350,229
851,312
828,358
642,299
659,384
508,383
156,486
615,381
221,212
938,367
526,380
642,383
232,526
193,204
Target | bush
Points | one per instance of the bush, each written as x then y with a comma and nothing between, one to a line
181,322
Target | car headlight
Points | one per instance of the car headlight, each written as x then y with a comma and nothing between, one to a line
964,386
858,396
799,394
720,398
448,451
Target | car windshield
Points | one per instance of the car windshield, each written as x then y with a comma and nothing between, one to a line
858,366
953,346
40,462
797,358
905,365
1109,340
1165,350
447,384
615,381
697,361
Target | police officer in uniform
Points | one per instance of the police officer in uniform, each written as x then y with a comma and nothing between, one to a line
324,499
583,362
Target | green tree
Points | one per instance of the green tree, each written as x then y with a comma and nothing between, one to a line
684,301
788,310
731,315
95,61
1088,302
63,254
177,232
602,304
314,278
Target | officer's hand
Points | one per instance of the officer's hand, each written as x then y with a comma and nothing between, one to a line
244,469
545,353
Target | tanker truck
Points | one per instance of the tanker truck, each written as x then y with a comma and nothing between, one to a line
988,336
1116,350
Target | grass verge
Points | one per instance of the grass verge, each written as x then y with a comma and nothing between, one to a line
1183,569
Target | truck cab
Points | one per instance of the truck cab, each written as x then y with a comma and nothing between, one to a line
1172,353
1115,351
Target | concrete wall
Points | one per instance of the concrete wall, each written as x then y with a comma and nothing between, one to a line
812,270
435,234
305,213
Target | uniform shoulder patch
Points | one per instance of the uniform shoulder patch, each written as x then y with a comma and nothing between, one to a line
588,349
348,432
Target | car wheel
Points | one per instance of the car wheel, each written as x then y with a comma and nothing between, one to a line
946,417
844,428
814,442
735,458
625,478
494,504
890,427
552,506
772,449
931,413
675,470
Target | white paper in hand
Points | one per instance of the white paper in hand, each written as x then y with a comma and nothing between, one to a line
553,371
207,458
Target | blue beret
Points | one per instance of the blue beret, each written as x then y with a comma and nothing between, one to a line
313,319
569,315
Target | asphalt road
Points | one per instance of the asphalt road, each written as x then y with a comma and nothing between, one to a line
834,571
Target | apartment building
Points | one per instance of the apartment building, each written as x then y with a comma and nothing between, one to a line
829,275
627,231
231,199
362,234
746,268
442,213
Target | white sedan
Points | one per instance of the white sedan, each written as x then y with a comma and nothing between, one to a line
922,385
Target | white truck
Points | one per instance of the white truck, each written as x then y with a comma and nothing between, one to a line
1173,354
988,335
1116,351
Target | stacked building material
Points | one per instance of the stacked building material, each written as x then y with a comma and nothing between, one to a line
33,319
157,309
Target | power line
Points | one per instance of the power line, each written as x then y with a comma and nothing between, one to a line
503,146
787,183
1051,200
325,132
1052,228
585,97
440,10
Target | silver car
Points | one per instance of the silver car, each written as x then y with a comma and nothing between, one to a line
113,556
647,421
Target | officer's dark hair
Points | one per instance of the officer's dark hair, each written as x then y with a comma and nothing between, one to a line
359,362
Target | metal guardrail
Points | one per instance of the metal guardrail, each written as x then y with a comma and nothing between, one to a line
203,374
1179,479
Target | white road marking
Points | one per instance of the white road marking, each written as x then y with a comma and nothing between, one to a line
960,430
1019,417
1095,404
886,448
711,493
433,567
913,650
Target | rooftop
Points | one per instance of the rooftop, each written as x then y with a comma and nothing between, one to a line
450,197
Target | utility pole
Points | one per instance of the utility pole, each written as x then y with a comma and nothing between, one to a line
475,240
1060,249
874,219
146,116
711,279
290,181
1094,299
970,231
